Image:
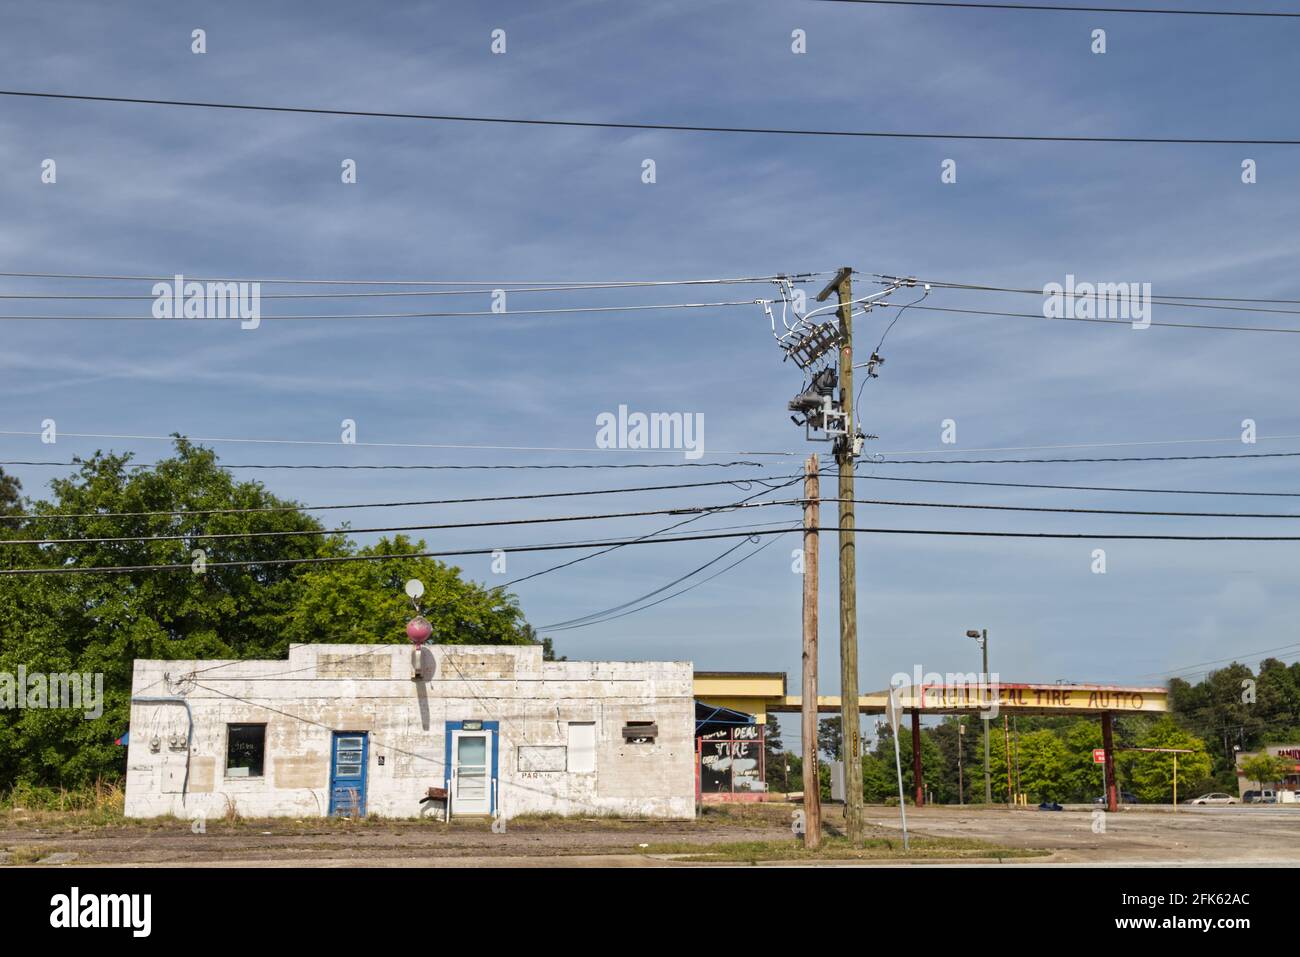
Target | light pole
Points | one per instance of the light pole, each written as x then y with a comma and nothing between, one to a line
983,638
961,784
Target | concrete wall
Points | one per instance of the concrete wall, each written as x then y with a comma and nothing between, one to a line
324,688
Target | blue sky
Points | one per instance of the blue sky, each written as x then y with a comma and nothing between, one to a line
157,191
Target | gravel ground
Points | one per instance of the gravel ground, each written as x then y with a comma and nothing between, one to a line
1133,836
1139,836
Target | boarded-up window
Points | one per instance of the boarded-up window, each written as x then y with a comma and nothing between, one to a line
640,732
541,758
582,745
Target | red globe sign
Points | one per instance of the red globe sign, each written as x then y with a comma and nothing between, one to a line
418,630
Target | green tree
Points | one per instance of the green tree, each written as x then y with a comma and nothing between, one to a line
10,494
101,623
184,509
529,635
1267,769
932,767
782,770
1278,699
879,778
830,737
1043,759
1081,780
363,602
1151,774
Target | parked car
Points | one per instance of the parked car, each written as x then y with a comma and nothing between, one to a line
1125,797
1265,796
1215,797
1050,806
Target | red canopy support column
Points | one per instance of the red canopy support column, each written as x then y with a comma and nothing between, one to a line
917,778
1108,745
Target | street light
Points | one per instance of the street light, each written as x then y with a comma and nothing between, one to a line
982,637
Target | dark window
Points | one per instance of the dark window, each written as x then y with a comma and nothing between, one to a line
640,732
245,747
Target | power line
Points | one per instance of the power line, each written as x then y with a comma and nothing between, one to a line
313,532
1081,488
534,285
1070,511
594,616
1242,654
262,563
386,294
1236,439
483,313
600,621
739,483
443,446
1185,302
452,468
1073,535
1055,8
657,534
993,314
335,443
1133,458
339,559
656,127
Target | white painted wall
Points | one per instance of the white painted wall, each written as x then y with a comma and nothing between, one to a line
323,688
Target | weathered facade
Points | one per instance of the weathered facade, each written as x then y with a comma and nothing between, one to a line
371,728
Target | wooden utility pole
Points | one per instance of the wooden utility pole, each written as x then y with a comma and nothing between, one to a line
812,806
918,773
1015,724
1006,753
1108,745
850,717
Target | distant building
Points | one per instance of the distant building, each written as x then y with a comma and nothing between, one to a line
1291,782
372,728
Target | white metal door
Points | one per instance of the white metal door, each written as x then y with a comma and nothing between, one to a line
471,772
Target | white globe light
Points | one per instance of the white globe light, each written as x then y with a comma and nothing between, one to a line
415,588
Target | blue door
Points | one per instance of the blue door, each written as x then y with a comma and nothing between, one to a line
348,773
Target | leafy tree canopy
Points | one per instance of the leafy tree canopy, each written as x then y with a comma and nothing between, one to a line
186,508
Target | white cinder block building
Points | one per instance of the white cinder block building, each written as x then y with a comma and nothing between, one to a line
371,728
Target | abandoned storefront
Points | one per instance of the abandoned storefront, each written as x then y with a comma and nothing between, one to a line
730,749
384,729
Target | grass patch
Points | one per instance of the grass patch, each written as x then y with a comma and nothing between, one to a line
25,805
26,854
757,814
101,805
586,821
875,848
